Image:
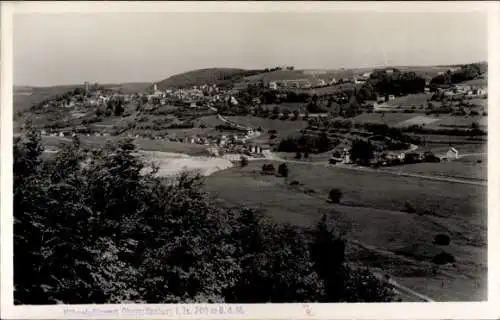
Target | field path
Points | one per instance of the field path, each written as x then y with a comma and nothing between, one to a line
403,290
271,156
472,154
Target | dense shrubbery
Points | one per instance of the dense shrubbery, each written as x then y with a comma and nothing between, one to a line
362,152
442,239
443,258
397,83
283,170
304,143
100,227
335,195
467,72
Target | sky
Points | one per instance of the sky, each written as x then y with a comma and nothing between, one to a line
70,48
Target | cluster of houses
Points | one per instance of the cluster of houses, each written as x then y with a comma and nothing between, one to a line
316,83
395,158
205,94
464,89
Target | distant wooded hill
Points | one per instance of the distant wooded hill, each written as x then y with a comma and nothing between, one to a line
219,76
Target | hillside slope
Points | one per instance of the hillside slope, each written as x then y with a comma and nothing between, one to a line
218,76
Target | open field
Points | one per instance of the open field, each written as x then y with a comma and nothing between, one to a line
25,97
388,118
284,128
478,82
301,107
170,163
420,120
466,168
143,144
278,75
458,121
430,121
370,215
411,100
376,190
209,121
328,89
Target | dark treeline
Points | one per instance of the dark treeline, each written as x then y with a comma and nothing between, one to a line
465,73
397,83
308,143
111,231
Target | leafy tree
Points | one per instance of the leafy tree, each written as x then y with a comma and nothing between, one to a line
362,152
243,162
268,168
335,195
99,226
442,239
341,282
283,170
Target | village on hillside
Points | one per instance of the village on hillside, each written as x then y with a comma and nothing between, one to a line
181,109
177,163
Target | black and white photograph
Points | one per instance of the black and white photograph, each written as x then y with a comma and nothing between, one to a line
247,157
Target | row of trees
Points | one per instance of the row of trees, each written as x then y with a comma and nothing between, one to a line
307,143
100,226
266,96
465,73
396,83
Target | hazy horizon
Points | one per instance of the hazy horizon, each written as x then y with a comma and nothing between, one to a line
70,48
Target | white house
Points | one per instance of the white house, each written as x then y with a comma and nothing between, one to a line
273,85
320,82
392,97
234,101
481,91
61,134
452,153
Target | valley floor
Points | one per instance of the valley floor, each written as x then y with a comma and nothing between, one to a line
381,235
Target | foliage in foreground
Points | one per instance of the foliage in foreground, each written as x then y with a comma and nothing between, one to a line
92,227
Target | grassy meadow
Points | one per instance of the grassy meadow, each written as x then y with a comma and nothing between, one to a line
371,216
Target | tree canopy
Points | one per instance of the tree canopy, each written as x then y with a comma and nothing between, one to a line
99,226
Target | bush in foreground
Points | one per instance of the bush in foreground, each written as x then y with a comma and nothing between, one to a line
283,170
409,208
243,161
111,231
268,169
335,195
443,258
442,240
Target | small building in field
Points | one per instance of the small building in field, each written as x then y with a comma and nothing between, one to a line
452,153
273,85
